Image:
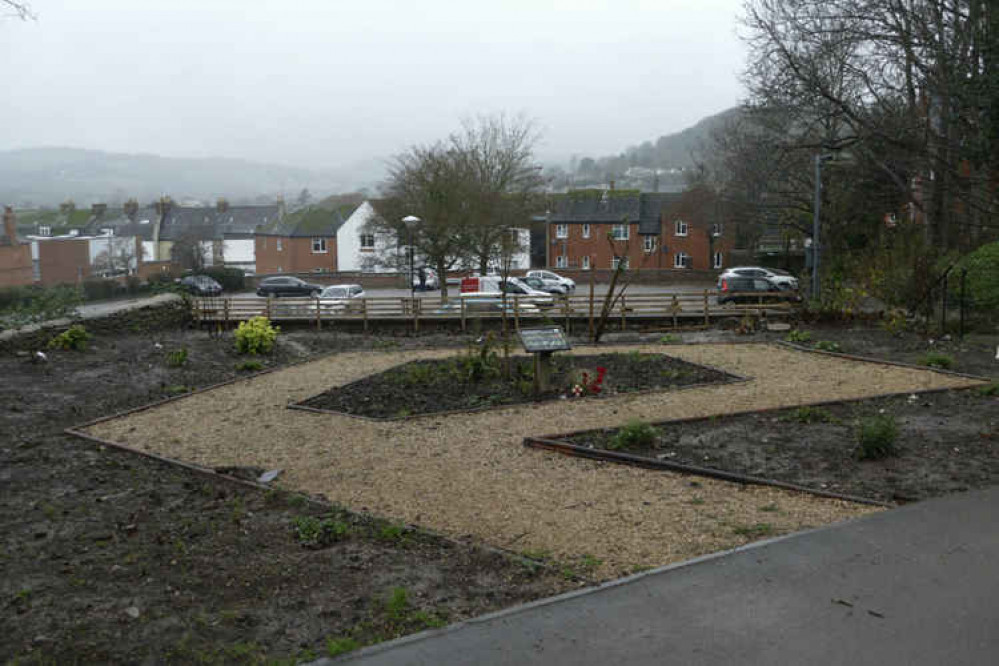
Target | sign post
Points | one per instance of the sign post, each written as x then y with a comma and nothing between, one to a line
543,342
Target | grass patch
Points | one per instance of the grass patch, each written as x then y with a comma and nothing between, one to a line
937,360
337,646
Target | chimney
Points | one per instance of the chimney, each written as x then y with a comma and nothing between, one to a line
612,186
98,210
163,206
222,205
280,207
10,225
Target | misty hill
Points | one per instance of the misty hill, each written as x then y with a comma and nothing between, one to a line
662,160
48,176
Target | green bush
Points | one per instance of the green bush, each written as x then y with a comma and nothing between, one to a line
97,289
75,337
633,434
876,437
937,360
32,304
798,336
989,390
231,279
983,277
256,336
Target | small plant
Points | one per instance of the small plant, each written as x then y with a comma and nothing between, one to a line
895,322
633,434
937,360
756,531
337,646
250,366
74,338
587,385
397,607
797,335
256,336
177,358
391,533
811,415
989,390
589,562
669,339
312,532
177,389
827,346
876,437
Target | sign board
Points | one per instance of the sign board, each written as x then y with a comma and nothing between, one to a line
537,340
469,284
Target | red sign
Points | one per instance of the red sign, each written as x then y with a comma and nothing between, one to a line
469,284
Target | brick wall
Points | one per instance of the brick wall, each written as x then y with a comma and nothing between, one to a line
148,269
295,255
15,265
64,261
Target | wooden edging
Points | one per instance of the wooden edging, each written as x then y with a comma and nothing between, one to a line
868,359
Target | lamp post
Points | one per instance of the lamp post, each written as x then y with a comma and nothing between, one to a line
411,221
816,246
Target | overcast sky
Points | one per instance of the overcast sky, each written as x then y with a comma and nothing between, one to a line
324,83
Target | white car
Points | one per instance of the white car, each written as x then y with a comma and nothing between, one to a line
337,297
782,279
553,278
486,302
515,286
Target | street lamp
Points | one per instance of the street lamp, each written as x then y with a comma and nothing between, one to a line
816,247
411,221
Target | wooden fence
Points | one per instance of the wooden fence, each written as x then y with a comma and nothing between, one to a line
667,308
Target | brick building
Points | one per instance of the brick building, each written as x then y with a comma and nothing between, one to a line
302,242
594,230
64,260
15,256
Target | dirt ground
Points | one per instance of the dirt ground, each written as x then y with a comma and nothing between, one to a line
113,558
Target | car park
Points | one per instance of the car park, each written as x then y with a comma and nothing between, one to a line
782,279
553,278
287,286
738,289
201,285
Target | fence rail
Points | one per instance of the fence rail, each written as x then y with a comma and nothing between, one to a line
675,307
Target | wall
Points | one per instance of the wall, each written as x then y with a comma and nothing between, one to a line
16,265
64,260
240,253
148,269
295,256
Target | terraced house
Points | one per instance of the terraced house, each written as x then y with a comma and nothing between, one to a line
597,229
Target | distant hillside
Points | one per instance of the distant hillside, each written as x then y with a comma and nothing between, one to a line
660,162
48,176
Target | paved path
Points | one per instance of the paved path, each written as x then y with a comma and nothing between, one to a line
917,585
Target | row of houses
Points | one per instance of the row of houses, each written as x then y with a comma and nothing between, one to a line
583,230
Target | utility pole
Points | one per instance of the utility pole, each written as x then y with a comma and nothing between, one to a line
816,224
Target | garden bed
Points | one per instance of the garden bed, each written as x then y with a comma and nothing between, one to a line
946,442
466,382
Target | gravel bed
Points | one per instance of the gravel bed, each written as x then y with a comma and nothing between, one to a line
469,475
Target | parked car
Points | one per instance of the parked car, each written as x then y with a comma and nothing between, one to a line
338,297
514,285
430,282
201,285
553,278
486,302
782,279
287,286
548,287
738,289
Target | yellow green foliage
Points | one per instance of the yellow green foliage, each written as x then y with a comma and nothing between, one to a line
256,336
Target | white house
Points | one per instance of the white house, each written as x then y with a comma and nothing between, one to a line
358,247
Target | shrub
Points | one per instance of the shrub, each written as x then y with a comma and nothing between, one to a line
256,336
937,360
31,304
75,337
177,358
231,279
633,434
989,390
876,437
798,336
96,289
983,276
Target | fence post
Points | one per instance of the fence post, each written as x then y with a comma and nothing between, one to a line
462,301
269,297
964,275
364,313
319,319
225,310
707,316
624,323
516,312
943,307
566,309
591,306
416,315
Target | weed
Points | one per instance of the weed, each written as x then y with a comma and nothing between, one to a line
49,511
177,358
590,562
876,437
525,386
250,366
697,501
895,322
669,339
937,360
256,336
989,390
828,346
176,389
403,413
769,508
74,338
633,434
338,646
297,501
536,554
811,415
385,344
755,531
568,573
397,607
392,533
312,532
798,335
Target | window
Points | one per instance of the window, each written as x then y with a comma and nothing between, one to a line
620,232
649,243
280,270
44,231
680,228
586,231
318,246
561,231
716,230
367,241
617,261
717,263
586,263
279,249
681,260
560,261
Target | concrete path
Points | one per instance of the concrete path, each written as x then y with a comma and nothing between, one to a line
917,585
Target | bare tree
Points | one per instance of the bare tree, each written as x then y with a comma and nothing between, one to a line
20,10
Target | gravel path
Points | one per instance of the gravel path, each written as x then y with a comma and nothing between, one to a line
469,475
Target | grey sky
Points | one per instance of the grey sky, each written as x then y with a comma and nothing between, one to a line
323,83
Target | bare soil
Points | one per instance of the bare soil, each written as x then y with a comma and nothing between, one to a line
109,557
458,383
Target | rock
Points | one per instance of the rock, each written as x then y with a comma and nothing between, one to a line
269,475
133,612
779,326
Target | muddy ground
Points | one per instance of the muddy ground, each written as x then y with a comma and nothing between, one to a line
113,558
466,382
